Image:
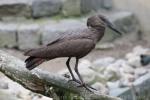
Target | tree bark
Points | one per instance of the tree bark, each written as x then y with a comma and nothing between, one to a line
45,83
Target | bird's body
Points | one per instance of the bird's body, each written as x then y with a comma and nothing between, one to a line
75,43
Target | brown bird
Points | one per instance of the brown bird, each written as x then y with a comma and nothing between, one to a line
75,43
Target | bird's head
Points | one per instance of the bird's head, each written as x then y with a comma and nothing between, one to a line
99,21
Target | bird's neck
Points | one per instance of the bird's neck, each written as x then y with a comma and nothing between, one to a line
98,33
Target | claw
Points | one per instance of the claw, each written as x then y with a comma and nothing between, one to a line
75,80
88,87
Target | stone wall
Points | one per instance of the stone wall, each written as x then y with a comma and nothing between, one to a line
28,23
42,8
141,8
31,34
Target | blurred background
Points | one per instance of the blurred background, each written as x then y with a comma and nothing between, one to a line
114,67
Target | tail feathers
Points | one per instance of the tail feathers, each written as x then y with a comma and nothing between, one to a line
27,52
33,62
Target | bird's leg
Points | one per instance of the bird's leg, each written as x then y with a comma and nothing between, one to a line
82,82
69,68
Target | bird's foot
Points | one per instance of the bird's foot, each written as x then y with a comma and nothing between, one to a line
74,80
88,87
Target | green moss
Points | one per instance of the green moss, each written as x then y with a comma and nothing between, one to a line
66,95
144,96
58,17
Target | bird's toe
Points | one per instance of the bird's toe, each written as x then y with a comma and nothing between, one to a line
88,87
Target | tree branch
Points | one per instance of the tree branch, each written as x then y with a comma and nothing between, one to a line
43,82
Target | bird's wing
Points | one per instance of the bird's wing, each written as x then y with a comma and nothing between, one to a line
66,48
71,34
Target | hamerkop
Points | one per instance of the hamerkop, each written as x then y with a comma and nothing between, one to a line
76,43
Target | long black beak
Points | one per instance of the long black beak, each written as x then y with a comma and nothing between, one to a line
111,26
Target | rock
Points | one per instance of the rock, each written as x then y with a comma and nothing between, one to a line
6,95
88,75
45,98
107,4
95,5
145,59
120,62
140,71
104,61
113,85
100,87
105,46
19,92
127,80
62,72
99,77
138,50
41,98
112,72
49,35
90,5
8,35
28,36
129,77
134,61
54,30
100,65
43,8
71,8
15,8
129,55
133,58
108,37
117,66
125,22
84,64
127,69
3,85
